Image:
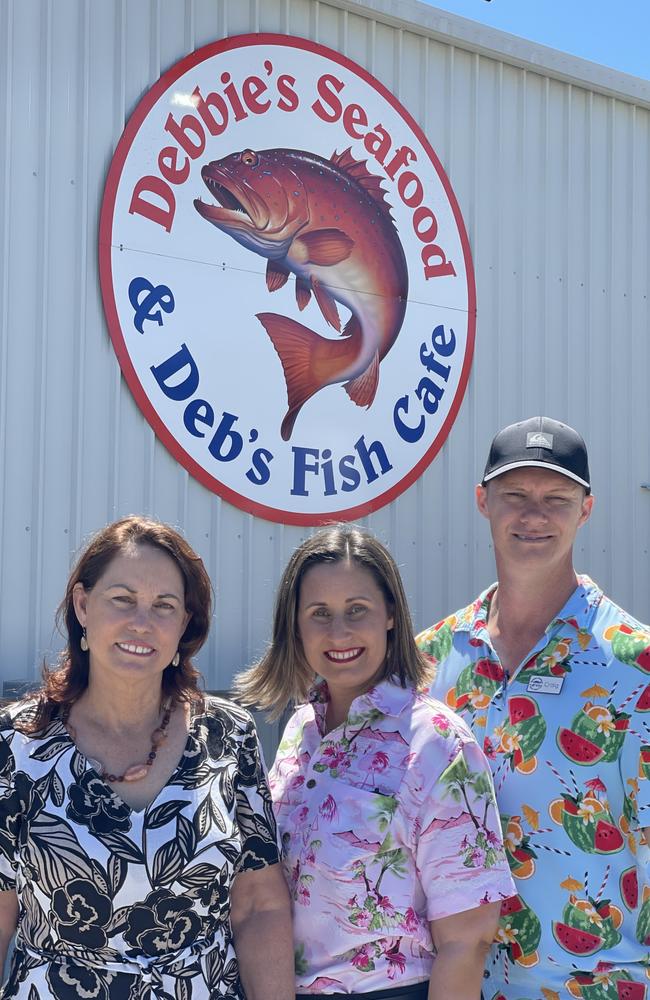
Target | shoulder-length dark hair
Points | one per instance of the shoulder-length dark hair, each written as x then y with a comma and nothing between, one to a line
69,679
283,674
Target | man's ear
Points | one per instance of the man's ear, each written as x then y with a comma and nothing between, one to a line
587,507
80,600
481,500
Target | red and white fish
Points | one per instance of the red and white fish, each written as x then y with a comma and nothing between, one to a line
328,223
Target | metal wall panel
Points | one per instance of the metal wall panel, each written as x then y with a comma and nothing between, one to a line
549,157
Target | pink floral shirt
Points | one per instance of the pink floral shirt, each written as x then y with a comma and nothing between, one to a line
387,822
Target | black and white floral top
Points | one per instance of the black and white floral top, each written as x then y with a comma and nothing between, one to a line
117,904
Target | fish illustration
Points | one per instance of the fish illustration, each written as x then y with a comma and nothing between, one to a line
328,223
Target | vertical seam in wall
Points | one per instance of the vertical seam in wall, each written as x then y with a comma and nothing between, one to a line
497,249
588,180
216,510
343,32
79,339
565,108
613,341
43,284
314,19
189,24
607,307
248,595
521,264
546,276
116,387
627,311
372,45
4,284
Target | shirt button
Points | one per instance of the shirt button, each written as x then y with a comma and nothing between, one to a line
311,783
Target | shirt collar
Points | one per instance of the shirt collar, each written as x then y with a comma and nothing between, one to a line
578,612
385,697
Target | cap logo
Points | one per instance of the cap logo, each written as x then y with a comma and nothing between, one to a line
538,440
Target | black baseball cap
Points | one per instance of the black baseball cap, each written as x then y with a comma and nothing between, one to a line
539,442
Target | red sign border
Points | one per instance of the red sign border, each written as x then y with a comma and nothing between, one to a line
114,328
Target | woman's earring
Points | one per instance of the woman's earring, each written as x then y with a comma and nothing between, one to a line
83,642
176,659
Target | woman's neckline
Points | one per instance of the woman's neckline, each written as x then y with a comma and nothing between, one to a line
92,764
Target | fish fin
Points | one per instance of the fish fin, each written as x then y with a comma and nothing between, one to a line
297,347
327,304
357,169
303,292
363,388
352,327
276,275
324,247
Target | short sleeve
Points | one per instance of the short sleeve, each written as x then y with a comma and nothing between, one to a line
459,854
10,812
253,807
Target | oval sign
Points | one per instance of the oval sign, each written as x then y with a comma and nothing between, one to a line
287,279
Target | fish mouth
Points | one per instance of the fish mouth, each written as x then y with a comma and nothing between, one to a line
238,206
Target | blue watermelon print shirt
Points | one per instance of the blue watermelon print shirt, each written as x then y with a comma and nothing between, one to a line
568,740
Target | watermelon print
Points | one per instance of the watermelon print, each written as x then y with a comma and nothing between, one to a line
519,932
629,883
631,644
607,983
643,921
577,749
568,741
587,926
552,661
588,823
599,732
387,822
476,685
643,704
438,646
645,762
519,741
521,856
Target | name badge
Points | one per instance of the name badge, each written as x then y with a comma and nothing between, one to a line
545,685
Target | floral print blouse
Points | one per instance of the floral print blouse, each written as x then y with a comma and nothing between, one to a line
387,822
118,904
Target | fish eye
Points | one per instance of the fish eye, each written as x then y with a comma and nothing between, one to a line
249,157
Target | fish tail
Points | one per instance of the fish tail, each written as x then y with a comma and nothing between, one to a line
299,350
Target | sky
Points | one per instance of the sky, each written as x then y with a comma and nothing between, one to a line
614,33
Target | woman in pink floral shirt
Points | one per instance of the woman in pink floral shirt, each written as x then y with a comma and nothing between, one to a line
385,802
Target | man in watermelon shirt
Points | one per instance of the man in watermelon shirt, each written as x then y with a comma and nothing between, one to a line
554,680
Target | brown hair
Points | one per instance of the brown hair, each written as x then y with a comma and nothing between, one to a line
67,681
283,674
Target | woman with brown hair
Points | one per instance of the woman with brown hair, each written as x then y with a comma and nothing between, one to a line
392,844
138,852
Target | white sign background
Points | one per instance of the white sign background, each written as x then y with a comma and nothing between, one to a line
219,286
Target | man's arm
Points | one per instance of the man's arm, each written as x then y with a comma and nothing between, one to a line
260,915
462,942
8,923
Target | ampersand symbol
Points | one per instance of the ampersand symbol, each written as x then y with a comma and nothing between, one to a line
144,296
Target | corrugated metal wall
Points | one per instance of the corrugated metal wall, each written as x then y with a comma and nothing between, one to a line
553,178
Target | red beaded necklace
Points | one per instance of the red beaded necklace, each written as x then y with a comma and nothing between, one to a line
137,771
